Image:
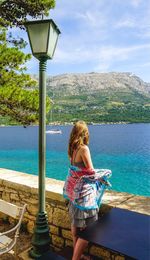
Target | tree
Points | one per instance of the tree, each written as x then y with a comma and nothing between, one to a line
18,92
15,12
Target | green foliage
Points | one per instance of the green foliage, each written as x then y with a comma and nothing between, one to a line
103,106
19,102
15,12
16,101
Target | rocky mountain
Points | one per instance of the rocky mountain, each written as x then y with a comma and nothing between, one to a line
75,84
99,97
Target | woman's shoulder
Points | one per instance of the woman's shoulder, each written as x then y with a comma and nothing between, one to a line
84,148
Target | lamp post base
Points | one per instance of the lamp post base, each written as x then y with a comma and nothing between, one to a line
41,238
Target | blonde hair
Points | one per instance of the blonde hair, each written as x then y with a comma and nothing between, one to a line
79,136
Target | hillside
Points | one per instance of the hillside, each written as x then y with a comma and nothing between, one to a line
99,97
96,98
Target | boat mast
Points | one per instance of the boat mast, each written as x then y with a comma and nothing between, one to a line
51,111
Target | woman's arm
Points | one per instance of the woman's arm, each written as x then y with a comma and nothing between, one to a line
86,157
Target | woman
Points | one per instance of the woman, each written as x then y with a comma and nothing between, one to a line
79,155
84,186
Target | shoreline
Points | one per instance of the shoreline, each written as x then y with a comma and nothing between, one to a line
71,123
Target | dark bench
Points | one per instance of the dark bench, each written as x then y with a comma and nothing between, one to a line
49,255
122,231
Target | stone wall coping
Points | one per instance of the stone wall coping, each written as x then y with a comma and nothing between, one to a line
54,189
29,183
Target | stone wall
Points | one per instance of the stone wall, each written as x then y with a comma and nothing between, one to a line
20,188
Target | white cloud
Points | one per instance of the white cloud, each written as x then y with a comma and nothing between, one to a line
126,22
75,56
144,27
144,65
105,55
97,35
109,55
94,19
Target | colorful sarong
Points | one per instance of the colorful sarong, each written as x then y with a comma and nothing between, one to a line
85,188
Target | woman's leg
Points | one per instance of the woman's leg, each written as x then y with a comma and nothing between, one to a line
74,235
80,245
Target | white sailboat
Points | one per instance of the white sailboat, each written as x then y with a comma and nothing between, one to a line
54,131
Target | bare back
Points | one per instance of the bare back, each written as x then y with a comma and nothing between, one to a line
82,158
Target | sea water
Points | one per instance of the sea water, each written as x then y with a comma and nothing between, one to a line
123,148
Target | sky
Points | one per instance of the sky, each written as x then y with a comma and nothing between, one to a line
100,36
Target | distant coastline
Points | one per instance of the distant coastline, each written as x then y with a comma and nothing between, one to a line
71,123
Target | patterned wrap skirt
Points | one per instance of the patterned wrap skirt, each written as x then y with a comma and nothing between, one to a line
82,218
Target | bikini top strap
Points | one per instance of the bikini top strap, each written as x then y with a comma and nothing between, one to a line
74,155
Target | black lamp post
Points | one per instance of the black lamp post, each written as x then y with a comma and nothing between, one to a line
43,36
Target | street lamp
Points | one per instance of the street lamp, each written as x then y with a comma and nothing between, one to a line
43,36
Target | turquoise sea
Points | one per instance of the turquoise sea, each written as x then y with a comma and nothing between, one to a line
123,148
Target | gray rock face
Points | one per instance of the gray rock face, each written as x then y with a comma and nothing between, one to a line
99,97
75,84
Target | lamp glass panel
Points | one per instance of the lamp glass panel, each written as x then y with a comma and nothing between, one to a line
38,34
52,41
